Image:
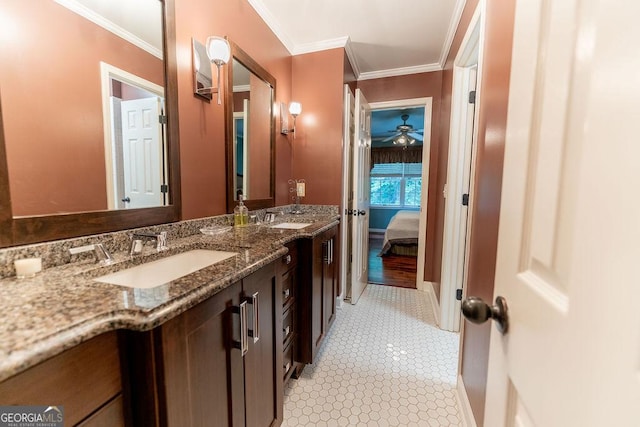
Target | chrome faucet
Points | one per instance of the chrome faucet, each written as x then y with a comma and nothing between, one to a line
102,254
138,239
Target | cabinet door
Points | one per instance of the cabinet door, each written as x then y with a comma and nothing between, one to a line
203,372
263,380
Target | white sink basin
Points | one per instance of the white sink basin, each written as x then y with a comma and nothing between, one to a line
164,270
292,225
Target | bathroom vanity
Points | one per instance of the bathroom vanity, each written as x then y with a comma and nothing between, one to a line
214,347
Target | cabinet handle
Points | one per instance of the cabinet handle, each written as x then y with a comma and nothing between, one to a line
286,293
287,259
243,344
331,251
286,331
254,332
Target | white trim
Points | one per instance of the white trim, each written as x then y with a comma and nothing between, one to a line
392,72
435,307
108,25
468,420
453,247
273,24
352,58
377,230
399,103
451,32
242,88
107,72
320,45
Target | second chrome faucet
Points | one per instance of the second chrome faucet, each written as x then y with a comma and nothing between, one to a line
138,240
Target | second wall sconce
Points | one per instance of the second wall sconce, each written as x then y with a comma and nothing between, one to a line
295,108
217,51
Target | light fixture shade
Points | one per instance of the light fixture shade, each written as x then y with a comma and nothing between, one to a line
295,108
218,50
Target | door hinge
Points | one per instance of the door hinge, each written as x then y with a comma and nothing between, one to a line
465,199
459,294
472,97
162,119
164,188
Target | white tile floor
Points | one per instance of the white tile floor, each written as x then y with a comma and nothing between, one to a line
384,363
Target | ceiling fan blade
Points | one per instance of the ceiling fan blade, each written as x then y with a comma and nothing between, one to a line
415,135
390,137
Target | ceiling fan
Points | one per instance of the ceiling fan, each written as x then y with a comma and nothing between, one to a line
405,134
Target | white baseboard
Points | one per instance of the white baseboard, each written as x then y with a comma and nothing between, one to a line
435,305
338,303
466,413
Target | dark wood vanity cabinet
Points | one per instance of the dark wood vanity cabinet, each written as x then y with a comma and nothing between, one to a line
85,380
317,291
199,370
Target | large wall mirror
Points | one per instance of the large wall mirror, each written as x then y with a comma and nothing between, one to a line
250,132
89,131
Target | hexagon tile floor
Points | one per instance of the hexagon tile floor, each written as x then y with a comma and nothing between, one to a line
383,363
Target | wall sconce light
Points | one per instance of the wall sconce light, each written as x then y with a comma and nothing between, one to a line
216,51
295,108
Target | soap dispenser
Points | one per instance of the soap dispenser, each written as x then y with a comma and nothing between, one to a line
240,214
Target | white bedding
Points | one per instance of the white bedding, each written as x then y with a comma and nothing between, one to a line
402,230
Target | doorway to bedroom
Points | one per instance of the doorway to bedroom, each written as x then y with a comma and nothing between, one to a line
397,136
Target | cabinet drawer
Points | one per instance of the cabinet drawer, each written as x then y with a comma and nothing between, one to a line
288,327
288,287
287,362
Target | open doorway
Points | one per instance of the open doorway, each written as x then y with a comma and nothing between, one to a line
400,139
397,136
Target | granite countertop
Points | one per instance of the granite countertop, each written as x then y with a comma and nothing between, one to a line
62,306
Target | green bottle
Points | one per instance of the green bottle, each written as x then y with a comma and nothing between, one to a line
240,214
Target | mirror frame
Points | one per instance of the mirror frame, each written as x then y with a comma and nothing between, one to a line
255,68
42,228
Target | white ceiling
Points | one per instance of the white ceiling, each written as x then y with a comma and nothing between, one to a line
382,37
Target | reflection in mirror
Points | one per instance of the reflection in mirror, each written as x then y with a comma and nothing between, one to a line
250,140
90,138
68,66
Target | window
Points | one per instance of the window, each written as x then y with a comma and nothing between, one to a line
396,185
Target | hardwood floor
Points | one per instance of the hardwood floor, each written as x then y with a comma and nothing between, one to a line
391,270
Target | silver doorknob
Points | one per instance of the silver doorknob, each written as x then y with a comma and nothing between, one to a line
475,310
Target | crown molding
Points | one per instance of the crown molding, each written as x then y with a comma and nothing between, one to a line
451,32
320,45
392,72
274,25
100,20
352,59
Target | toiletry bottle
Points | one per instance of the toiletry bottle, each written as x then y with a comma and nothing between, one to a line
240,214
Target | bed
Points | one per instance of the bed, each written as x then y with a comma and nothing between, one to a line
401,236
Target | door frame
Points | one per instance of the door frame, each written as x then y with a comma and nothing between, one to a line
462,133
107,73
427,103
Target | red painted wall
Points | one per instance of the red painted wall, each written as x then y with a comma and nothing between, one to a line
202,140
317,147
407,87
51,92
491,127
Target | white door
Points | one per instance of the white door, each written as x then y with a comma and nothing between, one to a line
361,190
142,153
569,250
347,188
